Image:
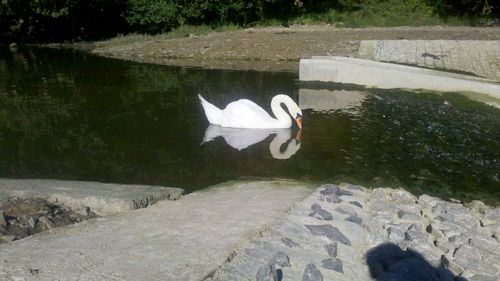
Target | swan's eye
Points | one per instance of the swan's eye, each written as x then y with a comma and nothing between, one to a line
298,115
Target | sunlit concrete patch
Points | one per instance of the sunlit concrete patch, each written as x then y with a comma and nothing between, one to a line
390,76
480,57
187,239
101,198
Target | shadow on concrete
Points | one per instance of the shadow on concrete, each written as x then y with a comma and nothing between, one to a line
388,262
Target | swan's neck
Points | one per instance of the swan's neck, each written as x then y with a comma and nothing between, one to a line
280,114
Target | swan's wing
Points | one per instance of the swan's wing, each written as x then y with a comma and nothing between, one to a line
245,113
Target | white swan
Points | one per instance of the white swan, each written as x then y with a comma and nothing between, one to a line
247,114
242,138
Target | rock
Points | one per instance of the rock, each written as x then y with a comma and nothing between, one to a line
333,264
351,186
331,249
414,233
332,198
346,210
330,189
329,231
395,234
43,224
456,241
7,238
31,222
467,256
428,201
34,271
356,203
378,198
485,244
492,216
461,216
319,213
453,200
402,197
485,268
84,211
3,222
311,273
495,231
354,219
407,216
482,277
18,231
289,242
280,259
345,193
478,207
439,208
267,273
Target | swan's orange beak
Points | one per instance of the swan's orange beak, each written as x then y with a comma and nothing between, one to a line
299,121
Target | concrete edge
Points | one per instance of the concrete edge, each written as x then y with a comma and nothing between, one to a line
391,76
101,198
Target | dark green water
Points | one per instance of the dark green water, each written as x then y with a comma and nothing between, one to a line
69,115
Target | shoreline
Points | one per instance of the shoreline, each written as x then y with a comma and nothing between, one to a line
265,49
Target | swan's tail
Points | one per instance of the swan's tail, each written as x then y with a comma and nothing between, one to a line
211,111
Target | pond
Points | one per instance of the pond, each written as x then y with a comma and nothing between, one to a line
70,115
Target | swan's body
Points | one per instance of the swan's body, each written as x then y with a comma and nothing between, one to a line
242,138
247,114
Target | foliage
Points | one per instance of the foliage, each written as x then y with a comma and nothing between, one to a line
152,15
466,7
58,20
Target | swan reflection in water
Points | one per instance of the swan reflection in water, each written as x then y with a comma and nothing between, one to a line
243,138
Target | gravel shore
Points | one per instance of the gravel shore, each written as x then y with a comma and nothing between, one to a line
271,48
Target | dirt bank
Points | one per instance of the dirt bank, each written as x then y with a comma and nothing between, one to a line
272,48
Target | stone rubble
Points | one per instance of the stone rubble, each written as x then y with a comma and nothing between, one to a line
20,218
348,232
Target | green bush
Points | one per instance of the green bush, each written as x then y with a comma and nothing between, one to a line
152,15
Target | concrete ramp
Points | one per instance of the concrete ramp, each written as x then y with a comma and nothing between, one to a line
389,76
186,239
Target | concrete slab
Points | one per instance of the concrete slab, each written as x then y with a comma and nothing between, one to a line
389,76
186,239
481,57
101,198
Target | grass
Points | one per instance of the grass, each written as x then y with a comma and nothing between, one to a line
384,14
182,31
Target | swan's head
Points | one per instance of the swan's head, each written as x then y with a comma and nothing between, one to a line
297,114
